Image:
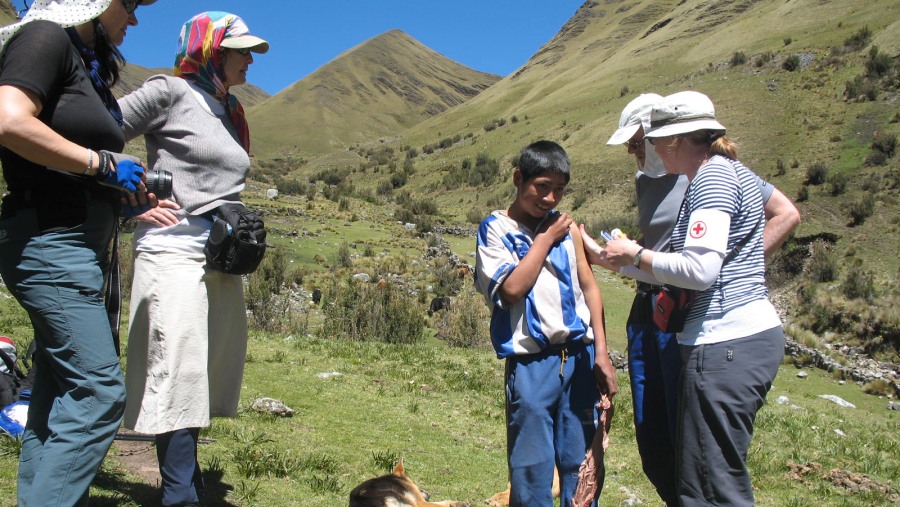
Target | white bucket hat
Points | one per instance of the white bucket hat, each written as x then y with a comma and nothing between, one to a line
636,112
681,113
64,13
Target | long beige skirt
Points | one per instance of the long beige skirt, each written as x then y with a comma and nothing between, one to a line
187,343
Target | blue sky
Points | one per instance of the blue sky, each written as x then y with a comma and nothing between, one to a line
496,36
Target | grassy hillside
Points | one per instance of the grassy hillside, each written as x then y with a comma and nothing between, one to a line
376,89
778,73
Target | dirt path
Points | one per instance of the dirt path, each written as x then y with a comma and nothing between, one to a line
139,458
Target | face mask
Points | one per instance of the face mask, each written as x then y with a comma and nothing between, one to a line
653,165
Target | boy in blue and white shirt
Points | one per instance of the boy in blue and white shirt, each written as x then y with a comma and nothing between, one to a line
547,322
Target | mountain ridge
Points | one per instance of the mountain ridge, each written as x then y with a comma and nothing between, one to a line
395,78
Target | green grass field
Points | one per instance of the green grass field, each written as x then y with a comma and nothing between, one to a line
441,410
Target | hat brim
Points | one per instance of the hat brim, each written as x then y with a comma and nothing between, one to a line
623,134
685,127
251,42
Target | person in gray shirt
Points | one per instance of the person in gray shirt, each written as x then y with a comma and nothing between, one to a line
654,360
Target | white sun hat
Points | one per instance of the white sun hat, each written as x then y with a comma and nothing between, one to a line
636,112
64,13
681,113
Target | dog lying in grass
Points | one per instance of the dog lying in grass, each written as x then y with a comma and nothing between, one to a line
395,489
501,499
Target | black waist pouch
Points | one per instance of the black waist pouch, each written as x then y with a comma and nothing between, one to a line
237,240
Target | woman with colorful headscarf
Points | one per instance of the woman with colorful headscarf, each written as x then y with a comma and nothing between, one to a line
60,131
188,328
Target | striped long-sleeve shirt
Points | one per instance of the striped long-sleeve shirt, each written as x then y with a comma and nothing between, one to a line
728,186
553,313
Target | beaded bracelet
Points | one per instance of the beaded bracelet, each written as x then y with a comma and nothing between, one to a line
90,162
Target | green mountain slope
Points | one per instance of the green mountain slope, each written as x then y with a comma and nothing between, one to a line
375,89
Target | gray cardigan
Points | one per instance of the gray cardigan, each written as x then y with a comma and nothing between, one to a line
201,150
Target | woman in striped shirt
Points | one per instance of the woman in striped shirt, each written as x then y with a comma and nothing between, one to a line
732,342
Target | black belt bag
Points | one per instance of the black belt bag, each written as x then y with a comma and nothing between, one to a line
237,240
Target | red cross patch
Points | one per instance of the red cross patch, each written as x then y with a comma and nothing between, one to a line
698,229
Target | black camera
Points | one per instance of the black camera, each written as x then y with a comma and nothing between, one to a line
159,182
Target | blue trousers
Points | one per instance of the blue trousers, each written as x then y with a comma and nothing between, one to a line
78,396
182,481
550,413
654,364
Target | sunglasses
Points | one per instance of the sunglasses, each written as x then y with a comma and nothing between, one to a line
635,145
131,5
243,51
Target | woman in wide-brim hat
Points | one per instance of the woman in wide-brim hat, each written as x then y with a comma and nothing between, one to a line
732,342
187,337
61,134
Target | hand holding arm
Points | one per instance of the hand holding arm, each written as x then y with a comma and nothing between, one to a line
523,278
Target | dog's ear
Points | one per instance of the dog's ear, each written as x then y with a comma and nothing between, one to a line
399,471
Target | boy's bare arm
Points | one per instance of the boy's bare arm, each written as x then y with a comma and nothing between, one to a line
604,371
522,279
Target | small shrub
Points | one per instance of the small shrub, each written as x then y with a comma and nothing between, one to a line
858,283
859,40
861,210
359,311
860,88
624,91
878,387
788,41
780,169
878,64
816,173
822,264
791,63
267,297
884,143
474,216
466,323
343,258
838,183
763,59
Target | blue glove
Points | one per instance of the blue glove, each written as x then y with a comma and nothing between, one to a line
120,171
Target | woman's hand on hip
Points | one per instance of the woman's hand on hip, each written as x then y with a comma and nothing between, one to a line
161,216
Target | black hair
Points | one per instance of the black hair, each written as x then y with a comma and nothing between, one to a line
543,157
111,60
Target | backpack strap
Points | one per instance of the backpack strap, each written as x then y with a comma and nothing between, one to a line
11,365
737,248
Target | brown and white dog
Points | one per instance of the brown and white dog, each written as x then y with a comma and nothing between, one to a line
501,499
395,489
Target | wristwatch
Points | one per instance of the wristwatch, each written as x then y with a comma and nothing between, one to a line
637,259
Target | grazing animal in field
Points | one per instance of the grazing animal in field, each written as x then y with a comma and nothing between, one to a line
395,489
439,304
316,295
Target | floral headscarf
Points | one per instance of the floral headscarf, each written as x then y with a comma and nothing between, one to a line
198,60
